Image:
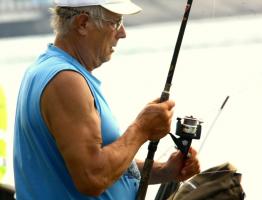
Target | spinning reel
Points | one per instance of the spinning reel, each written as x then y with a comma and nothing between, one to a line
188,128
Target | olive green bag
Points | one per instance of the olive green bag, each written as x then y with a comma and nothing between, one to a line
218,183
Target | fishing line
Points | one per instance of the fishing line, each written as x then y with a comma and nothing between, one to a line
152,147
213,124
207,134
240,91
165,152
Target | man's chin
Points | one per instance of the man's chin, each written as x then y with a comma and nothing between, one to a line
106,59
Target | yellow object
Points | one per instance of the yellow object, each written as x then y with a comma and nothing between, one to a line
3,112
3,127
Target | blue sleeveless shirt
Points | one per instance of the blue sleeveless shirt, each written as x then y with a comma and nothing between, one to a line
39,169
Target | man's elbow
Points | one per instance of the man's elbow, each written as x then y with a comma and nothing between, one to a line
92,187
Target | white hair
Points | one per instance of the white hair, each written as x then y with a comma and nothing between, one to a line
63,17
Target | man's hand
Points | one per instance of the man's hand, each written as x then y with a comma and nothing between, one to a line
179,169
176,168
155,119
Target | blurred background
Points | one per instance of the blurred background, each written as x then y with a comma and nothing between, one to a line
220,56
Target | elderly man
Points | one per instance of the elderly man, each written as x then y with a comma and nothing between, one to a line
67,142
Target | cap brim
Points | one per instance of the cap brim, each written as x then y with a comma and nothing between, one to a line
122,8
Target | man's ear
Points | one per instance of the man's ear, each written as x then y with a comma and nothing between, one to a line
82,22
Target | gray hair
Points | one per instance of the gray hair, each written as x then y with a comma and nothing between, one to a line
63,17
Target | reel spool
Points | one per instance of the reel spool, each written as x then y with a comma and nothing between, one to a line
188,128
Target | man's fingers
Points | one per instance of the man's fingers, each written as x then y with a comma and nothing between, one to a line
169,104
192,152
190,170
156,100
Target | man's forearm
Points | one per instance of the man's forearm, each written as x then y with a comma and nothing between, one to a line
157,174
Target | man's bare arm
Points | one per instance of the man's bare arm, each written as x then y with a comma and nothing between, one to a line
68,109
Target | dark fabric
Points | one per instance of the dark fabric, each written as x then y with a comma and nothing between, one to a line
6,192
218,183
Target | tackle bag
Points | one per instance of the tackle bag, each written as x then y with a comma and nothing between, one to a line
218,183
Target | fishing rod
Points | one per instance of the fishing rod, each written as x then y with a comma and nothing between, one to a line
152,147
213,123
187,129
193,124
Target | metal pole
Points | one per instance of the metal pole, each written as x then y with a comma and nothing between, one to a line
213,124
152,147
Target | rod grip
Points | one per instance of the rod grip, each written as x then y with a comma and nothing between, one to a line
145,179
148,164
164,96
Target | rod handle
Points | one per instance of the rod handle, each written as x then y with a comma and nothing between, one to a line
145,179
146,171
164,96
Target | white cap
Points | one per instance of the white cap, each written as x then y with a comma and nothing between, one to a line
122,7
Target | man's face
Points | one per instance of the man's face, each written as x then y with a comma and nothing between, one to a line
105,39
